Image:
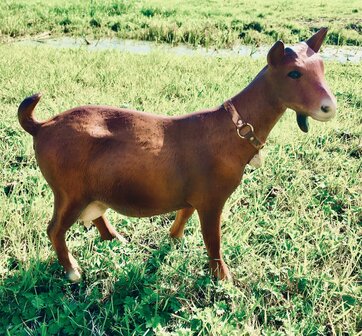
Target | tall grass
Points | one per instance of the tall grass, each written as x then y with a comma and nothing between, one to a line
206,23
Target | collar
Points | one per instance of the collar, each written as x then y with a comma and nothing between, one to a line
243,129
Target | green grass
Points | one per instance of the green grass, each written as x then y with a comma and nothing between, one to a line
202,22
291,231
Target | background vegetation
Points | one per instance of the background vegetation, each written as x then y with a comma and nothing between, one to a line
202,22
291,231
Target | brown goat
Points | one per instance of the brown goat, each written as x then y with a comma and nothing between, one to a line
141,164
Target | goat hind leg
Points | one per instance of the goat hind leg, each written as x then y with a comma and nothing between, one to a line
65,215
106,229
178,226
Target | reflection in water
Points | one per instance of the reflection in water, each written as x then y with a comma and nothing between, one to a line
341,54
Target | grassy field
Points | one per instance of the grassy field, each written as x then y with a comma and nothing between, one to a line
202,22
291,231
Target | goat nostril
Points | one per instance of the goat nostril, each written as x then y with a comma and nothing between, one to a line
325,108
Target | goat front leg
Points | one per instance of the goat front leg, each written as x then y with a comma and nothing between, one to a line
178,226
211,231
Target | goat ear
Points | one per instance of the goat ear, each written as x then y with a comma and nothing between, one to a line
317,39
276,53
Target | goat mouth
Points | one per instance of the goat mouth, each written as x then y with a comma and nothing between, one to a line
322,117
302,121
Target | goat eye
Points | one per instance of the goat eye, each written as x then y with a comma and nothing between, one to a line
294,74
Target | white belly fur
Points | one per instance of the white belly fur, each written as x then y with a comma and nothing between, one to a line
92,211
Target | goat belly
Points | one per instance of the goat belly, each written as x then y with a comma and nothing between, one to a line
142,198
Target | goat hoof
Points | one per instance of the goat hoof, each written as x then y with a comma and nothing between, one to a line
220,271
223,275
176,235
74,276
226,277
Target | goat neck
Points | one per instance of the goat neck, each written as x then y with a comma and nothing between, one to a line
258,105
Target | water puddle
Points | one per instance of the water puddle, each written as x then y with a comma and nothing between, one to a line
341,54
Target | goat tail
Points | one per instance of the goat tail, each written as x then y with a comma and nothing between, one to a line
26,114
